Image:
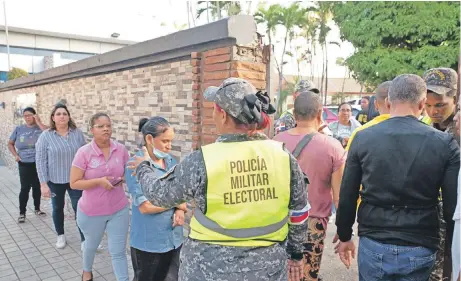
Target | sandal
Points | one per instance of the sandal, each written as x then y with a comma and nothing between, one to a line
40,213
22,218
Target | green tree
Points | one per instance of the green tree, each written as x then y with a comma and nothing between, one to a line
324,14
16,73
290,18
342,62
392,38
310,27
270,17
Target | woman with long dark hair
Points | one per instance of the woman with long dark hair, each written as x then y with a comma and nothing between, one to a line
22,147
56,149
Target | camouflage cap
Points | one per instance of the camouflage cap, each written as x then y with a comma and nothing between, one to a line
441,80
230,96
306,85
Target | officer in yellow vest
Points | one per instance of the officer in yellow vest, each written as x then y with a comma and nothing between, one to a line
425,118
250,194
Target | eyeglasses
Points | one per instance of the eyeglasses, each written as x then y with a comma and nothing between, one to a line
61,113
102,126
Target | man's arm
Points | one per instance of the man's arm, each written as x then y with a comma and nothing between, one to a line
338,157
299,208
336,179
350,187
176,186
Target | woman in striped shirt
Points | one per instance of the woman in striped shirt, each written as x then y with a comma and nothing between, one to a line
55,150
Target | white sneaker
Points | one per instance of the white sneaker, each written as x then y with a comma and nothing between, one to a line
332,219
61,242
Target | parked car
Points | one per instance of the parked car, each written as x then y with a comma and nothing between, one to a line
328,115
355,104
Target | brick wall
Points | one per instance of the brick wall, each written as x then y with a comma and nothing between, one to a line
127,96
164,76
214,66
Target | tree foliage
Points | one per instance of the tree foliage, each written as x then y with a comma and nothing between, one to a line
16,73
216,8
392,38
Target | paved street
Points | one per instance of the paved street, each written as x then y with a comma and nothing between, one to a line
332,269
28,253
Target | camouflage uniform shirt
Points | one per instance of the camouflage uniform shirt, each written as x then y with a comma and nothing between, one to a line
451,128
208,262
438,273
285,122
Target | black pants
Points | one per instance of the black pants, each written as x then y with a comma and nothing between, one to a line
29,179
58,203
155,266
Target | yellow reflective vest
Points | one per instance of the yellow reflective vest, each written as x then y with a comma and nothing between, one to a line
426,119
247,194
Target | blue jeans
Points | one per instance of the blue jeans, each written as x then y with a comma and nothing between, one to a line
387,262
116,226
58,205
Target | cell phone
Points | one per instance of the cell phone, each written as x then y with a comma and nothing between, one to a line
117,182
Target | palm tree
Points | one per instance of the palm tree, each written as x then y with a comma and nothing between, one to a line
324,13
290,18
216,7
271,17
309,26
342,62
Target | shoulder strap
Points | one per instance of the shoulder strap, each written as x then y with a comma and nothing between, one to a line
302,144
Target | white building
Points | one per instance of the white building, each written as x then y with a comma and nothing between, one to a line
35,50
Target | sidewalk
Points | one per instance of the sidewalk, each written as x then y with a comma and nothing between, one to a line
27,251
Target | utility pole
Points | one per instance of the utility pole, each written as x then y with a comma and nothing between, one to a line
188,13
6,33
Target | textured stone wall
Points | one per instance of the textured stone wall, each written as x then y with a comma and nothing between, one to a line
166,77
127,96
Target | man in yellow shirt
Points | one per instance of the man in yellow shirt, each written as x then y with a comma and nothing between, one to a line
382,107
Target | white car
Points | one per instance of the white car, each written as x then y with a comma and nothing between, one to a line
355,104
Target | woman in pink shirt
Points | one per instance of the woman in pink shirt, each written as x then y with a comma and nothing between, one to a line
98,169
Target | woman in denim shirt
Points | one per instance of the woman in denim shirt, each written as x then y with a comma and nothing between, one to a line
156,233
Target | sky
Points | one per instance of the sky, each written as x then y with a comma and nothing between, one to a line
136,20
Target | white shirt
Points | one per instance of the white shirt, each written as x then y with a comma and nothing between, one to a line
457,215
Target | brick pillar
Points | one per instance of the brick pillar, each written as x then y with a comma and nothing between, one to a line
219,64
196,103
